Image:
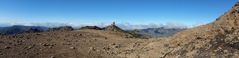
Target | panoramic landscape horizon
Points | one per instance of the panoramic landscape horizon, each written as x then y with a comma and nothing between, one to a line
119,29
127,13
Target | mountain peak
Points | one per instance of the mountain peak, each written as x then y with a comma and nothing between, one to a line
113,24
113,27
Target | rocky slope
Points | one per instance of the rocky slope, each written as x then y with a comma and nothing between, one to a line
218,39
65,42
85,43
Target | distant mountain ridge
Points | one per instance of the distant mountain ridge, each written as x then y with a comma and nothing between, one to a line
18,29
149,32
158,32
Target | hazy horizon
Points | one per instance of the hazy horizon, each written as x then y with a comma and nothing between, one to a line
137,14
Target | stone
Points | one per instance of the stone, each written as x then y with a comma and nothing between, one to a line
198,38
7,47
72,47
92,48
105,38
106,48
52,57
29,47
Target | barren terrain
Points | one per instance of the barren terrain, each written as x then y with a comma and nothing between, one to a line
219,39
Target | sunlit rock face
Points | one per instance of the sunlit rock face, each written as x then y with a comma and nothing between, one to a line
217,39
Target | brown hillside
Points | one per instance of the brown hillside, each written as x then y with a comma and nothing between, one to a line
85,43
217,39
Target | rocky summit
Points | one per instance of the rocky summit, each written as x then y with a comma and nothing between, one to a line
113,27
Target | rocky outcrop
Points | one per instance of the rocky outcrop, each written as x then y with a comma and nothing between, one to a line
62,28
91,27
113,27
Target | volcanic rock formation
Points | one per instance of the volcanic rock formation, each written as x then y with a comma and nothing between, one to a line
113,27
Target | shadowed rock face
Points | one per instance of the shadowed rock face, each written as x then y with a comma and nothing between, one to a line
91,27
62,28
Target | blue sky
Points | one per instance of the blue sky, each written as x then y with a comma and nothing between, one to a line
77,12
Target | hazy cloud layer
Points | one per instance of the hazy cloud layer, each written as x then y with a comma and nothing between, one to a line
144,26
121,25
4,24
